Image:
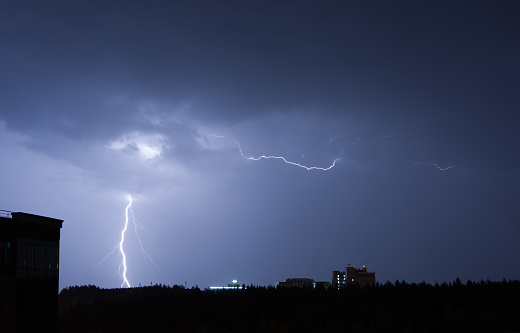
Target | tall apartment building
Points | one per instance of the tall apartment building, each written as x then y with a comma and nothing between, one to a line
29,271
338,280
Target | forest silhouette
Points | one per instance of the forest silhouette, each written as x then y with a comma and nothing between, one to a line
389,307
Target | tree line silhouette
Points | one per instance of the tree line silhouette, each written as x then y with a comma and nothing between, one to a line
399,306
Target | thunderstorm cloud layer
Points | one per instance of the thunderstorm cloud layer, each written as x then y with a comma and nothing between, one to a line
263,140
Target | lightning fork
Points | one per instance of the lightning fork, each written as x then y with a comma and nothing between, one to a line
122,268
274,157
121,250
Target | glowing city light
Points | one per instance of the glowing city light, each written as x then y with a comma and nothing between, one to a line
435,165
233,285
275,157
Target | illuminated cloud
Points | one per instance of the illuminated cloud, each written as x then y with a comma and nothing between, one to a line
146,146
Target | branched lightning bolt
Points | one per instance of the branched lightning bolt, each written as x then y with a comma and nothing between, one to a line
138,226
274,157
122,268
435,165
121,250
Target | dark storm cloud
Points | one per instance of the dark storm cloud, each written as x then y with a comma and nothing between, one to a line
111,97
435,69
239,59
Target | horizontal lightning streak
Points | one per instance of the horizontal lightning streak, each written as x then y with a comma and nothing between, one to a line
274,157
435,165
379,137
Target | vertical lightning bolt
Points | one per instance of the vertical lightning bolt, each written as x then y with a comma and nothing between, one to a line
122,267
121,250
275,157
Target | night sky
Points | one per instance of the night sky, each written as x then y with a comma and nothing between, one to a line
164,100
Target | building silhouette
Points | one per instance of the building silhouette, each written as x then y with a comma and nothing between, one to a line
296,282
303,283
29,271
353,276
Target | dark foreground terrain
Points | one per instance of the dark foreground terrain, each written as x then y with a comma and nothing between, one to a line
392,307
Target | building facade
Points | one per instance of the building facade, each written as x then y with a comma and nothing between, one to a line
297,282
338,279
303,283
353,276
360,277
29,271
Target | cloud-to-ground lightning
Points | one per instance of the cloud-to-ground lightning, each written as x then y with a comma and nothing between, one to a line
275,157
121,250
122,268
434,164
